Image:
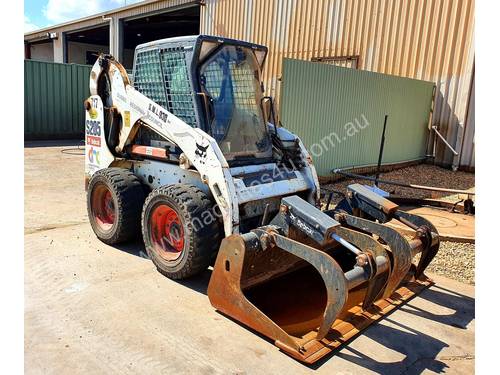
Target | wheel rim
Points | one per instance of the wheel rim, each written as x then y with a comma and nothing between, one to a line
167,233
103,207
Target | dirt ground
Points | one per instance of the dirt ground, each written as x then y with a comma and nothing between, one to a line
92,308
421,174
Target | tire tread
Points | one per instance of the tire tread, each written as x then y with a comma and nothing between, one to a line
203,241
130,195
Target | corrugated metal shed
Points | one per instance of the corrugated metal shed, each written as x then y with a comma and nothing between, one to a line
344,131
53,99
428,40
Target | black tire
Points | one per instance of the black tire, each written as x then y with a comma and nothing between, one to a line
200,236
126,195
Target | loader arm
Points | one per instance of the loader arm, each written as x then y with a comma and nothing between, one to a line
200,150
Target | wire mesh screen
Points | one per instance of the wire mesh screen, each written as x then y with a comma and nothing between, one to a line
242,89
148,77
233,91
163,77
212,79
178,90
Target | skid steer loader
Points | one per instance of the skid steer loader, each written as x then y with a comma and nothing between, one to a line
189,155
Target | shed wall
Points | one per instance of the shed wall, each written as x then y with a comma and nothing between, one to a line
42,51
344,131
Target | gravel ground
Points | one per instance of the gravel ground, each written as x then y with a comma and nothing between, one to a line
454,260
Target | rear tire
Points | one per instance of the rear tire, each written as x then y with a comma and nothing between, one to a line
114,202
180,230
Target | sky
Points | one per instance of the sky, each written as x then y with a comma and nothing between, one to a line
43,13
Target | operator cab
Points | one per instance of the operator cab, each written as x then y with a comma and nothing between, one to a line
211,83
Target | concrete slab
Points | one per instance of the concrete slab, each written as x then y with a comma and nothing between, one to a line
451,226
92,308
53,186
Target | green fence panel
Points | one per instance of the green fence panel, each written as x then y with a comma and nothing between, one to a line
53,99
339,114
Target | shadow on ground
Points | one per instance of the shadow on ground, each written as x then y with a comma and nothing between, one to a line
425,349
198,283
133,248
463,307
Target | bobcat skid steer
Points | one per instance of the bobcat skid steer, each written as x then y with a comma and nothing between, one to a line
186,157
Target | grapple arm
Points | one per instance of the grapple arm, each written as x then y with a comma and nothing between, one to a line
367,206
310,280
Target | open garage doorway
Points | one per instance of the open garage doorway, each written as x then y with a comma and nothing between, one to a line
82,47
158,26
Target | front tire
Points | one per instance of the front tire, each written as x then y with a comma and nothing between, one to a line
180,229
114,202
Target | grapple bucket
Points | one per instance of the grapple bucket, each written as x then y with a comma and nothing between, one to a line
311,280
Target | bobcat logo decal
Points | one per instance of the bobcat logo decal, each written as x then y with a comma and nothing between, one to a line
201,151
